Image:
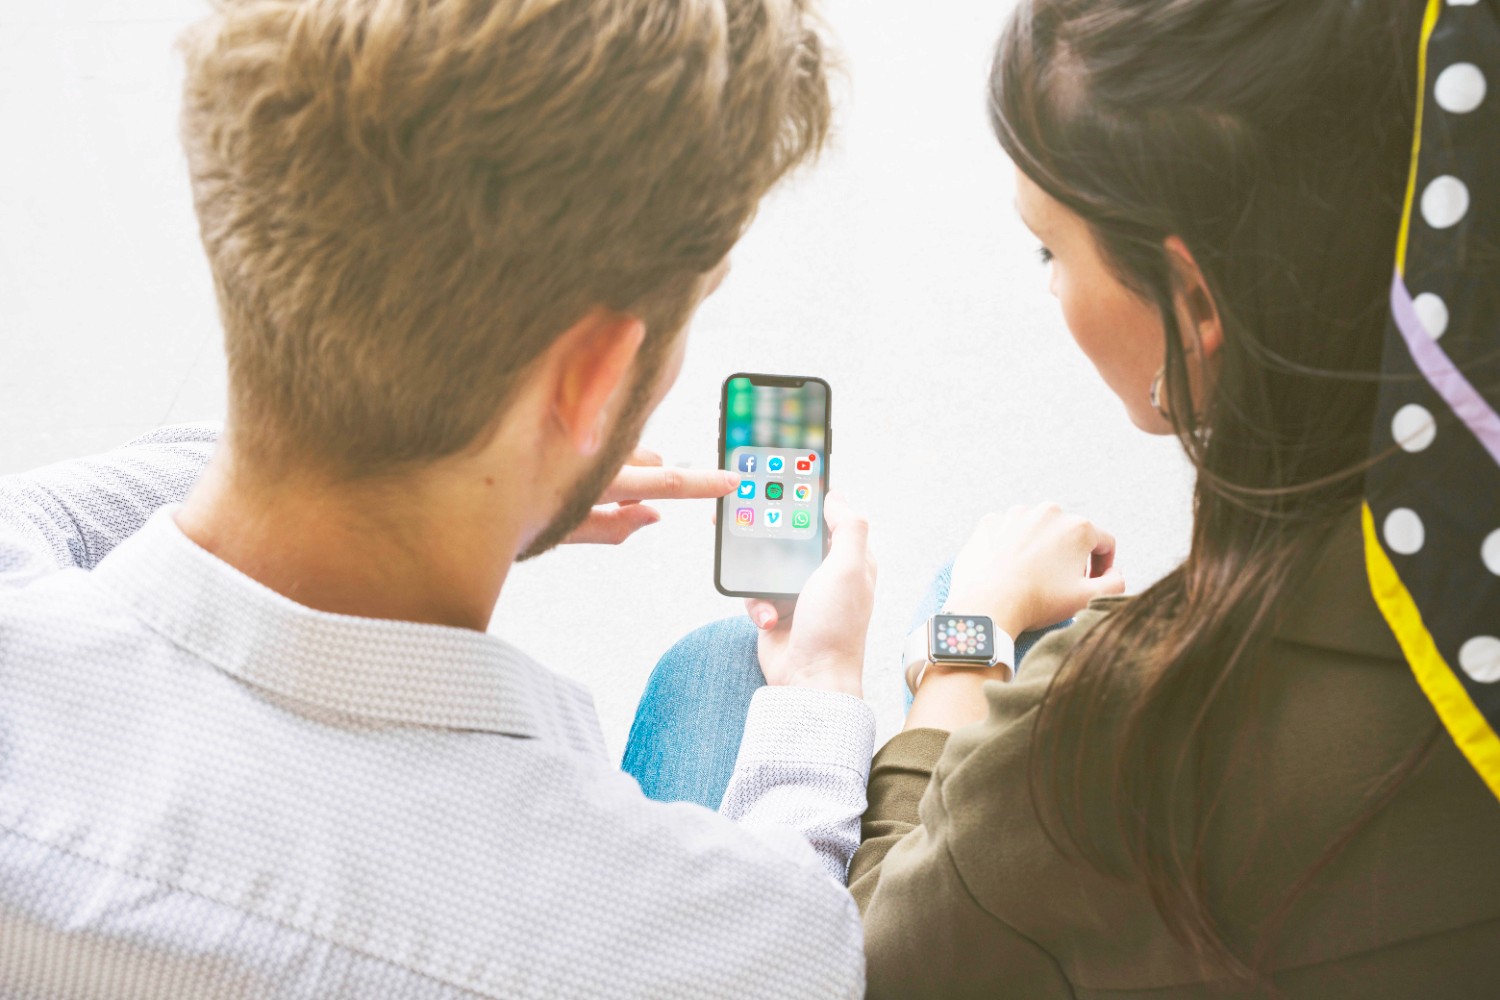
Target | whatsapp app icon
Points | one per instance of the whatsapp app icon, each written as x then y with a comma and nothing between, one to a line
801,519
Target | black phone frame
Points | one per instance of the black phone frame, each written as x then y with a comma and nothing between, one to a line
782,381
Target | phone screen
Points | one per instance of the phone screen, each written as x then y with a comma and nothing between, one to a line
774,435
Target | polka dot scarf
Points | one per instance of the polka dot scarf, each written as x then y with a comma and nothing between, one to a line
1432,513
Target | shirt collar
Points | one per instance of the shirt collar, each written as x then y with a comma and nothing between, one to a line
378,669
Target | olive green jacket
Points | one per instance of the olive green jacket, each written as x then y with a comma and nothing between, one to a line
963,895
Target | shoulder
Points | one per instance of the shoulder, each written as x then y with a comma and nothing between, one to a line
522,861
723,898
669,900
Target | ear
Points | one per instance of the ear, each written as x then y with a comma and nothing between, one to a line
1196,307
595,356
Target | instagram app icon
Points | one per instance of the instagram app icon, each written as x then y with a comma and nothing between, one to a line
744,517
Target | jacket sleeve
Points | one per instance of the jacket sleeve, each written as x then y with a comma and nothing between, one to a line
950,849
73,513
899,776
926,935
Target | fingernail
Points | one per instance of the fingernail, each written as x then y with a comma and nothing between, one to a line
763,618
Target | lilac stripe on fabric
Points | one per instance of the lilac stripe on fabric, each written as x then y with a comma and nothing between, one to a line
1460,395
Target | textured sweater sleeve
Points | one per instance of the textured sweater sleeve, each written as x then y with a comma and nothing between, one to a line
800,777
72,513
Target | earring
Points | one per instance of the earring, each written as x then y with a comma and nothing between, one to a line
1156,403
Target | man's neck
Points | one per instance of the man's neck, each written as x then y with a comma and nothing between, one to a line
431,548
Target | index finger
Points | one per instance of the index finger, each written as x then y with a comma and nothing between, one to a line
637,482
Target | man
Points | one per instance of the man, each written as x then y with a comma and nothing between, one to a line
259,744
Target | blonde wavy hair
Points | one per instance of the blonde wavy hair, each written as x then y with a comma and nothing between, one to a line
404,202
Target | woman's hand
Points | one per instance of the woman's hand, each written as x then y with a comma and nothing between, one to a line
823,645
619,513
1031,567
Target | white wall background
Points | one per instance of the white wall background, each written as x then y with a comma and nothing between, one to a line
896,269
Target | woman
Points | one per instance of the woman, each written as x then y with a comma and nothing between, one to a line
1229,782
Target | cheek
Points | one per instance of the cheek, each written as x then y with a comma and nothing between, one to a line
1120,335
1088,315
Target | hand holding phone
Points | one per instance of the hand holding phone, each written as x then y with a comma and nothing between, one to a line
822,644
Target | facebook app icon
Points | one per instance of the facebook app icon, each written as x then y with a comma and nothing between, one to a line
747,463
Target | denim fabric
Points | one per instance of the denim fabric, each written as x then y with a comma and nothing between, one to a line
691,717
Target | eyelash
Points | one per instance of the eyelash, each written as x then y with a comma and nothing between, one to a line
1044,254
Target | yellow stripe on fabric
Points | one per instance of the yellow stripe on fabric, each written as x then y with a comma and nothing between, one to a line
1469,728
1429,21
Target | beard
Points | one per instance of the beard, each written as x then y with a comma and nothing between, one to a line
591,485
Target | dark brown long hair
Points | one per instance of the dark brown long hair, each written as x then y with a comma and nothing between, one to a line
1272,137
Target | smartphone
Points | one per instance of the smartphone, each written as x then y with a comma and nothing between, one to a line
775,433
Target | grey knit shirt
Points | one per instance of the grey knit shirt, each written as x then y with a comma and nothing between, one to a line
208,790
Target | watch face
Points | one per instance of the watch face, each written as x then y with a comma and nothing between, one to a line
966,639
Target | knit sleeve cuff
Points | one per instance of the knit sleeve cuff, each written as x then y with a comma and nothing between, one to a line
797,725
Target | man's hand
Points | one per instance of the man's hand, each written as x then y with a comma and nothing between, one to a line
620,512
1031,567
823,645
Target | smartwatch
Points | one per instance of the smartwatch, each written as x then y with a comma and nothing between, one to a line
956,640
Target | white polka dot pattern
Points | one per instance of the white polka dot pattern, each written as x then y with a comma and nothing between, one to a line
1413,427
1445,202
1404,532
1460,88
1489,552
1480,658
1432,311
207,791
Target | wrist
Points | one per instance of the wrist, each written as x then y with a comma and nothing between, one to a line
838,676
918,675
951,697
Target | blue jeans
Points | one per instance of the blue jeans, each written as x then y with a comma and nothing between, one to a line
691,717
